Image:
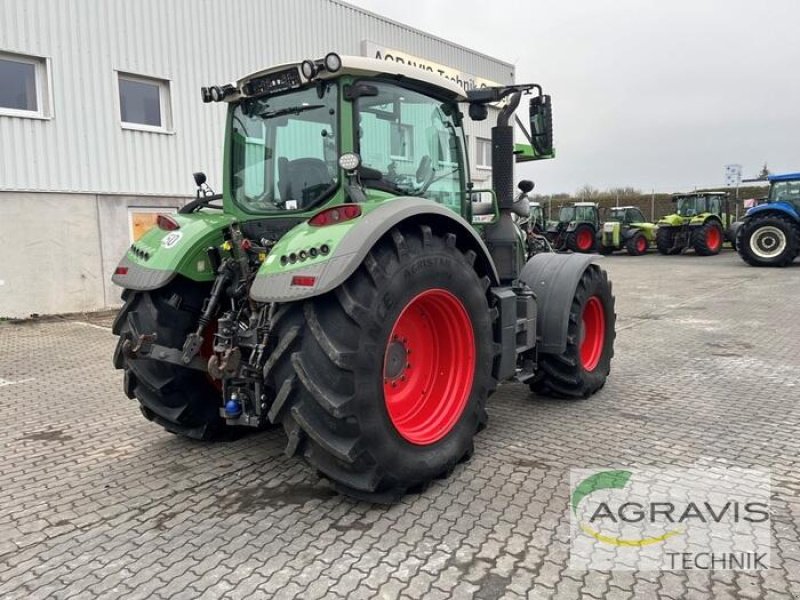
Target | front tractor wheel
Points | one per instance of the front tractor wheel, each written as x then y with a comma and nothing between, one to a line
707,239
582,239
637,245
768,241
381,384
582,369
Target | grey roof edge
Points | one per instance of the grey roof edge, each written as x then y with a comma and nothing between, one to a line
423,33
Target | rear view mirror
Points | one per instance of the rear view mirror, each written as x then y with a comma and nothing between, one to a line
359,90
541,120
199,178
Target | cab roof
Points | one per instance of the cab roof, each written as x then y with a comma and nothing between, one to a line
585,203
784,177
687,194
624,207
370,67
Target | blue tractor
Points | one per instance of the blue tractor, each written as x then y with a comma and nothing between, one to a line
769,234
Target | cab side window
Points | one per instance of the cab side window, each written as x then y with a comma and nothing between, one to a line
635,216
413,142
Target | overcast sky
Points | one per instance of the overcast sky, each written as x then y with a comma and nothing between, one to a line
650,93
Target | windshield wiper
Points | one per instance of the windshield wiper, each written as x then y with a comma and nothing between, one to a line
294,110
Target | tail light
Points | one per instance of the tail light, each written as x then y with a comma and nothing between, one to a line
167,223
337,214
304,280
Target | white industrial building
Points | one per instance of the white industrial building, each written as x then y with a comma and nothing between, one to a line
102,124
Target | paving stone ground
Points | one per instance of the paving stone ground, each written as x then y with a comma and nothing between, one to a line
97,502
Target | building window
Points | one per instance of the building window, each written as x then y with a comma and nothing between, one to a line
23,86
144,103
483,153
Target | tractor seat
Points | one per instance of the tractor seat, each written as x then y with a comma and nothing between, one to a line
295,177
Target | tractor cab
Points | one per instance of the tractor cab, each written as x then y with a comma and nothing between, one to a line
785,188
537,221
579,212
625,215
693,205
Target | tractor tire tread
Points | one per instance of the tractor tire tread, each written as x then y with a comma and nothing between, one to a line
562,375
789,227
317,398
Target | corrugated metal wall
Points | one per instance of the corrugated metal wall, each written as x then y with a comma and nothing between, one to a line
189,42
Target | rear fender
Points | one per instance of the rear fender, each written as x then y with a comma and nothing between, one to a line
783,209
704,218
554,279
348,244
155,258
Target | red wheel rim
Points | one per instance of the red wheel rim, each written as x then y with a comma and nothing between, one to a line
584,240
641,245
593,333
429,366
713,238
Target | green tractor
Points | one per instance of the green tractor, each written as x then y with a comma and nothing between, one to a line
534,227
625,227
701,221
576,228
536,220
342,285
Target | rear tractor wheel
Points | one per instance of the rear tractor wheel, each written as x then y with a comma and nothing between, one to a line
707,239
768,241
665,241
182,400
582,369
582,239
381,384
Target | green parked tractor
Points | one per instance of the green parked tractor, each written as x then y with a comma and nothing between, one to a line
576,228
701,221
358,300
625,227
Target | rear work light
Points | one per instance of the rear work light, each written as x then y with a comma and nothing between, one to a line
337,214
304,280
167,223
